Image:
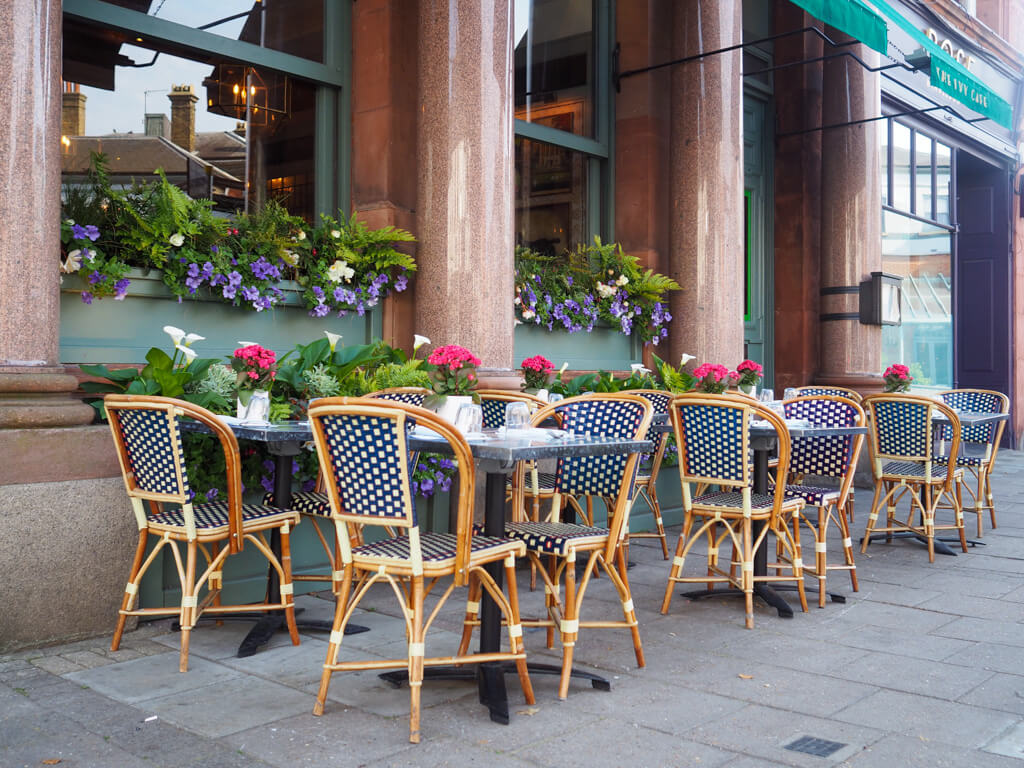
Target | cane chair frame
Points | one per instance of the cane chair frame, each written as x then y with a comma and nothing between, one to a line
981,493
405,569
602,547
912,471
199,537
812,390
736,519
829,509
646,485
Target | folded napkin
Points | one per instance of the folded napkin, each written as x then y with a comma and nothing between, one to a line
536,433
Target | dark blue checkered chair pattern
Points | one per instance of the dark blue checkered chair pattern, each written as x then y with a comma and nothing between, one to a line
819,391
365,458
306,503
409,398
597,475
903,429
826,456
493,412
713,444
972,401
553,538
913,469
153,445
436,547
213,515
659,402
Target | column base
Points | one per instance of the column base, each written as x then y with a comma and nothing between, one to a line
31,397
500,378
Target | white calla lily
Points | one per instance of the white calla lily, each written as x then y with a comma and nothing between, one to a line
176,334
333,338
192,337
189,353
248,343
639,368
562,369
685,359
418,341
177,239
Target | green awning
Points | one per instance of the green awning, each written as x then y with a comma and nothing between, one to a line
952,78
852,17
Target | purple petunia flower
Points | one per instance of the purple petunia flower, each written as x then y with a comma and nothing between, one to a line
250,292
211,494
426,486
92,232
401,283
229,291
234,278
214,249
320,310
120,288
78,232
86,297
267,483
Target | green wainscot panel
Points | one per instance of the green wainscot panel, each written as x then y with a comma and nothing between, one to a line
603,348
109,331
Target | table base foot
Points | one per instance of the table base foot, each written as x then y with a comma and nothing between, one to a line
268,624
940,544
763,591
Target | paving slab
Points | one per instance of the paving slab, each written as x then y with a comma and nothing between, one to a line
1000,691
916,752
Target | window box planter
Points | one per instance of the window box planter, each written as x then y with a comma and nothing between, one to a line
604,348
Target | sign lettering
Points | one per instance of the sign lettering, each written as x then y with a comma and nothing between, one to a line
961,56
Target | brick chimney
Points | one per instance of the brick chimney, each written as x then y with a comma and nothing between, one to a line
72,116
183,116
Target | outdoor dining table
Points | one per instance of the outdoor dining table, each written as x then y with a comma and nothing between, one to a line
762,440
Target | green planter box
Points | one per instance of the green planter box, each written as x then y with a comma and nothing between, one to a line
604,348
109,331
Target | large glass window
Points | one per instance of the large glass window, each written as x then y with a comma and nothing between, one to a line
551,200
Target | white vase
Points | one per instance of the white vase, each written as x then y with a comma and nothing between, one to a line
449,407
258,408
750,390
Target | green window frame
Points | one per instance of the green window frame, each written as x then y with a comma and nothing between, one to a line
332,78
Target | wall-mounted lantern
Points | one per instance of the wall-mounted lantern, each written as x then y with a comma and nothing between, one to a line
880,299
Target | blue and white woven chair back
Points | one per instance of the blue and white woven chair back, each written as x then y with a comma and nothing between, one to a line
660,402
493,412
816,391
601,475
828,456
976,401
153,450
903,429
411,397
715,445
368,462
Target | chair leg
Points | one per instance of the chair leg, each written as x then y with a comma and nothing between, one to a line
652,495
188,604
287,585
844,528
551,598
130,591
416,652
872,517
334,644
929,522
515,630
959,513
677,561
622,585
821,553
747,573
472,613
990,502
570,621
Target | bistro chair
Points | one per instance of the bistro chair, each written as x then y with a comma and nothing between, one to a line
905,463
979,444
407,395
364,456
825,456
818,391
712,434
646,483
149,449
610,477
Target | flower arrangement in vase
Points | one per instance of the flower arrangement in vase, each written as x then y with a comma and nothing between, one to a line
452,377
750,376
713,379
255,368
537,373
897,378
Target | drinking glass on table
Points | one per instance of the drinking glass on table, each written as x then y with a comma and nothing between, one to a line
470,419
789,392
766,395
554,397
517,416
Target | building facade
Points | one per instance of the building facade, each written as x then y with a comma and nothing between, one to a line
765,160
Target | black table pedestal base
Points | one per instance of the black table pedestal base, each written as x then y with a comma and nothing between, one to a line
269,623
940,544
768,594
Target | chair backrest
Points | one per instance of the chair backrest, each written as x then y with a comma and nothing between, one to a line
407,395
620,415
828,456
149,449
815,391
494,401
660,401
902,428
976,401
362,445
713,438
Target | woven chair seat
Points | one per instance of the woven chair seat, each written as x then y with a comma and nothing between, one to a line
545,483
554,538
964,461
212,517
438,548
306,503
732,501
811,495
914,470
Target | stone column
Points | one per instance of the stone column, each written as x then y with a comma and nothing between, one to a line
851,219
464,286
706,184
33,387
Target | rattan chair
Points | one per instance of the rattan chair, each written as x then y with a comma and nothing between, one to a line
407,395
905,463
364,456
646,482
826,456
606,476
817,391
149,449
712,433
978,445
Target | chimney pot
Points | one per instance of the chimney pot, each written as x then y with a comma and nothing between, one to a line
183,116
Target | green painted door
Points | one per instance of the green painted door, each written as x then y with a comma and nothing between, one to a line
758,285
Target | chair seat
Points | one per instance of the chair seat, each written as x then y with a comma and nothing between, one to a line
554,538
760,503
212,517
814,496
965,461
545,483
438,548
307,503
915,470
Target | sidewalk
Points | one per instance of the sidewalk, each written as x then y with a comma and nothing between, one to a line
923,667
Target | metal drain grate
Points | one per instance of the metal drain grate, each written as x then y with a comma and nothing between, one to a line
812,746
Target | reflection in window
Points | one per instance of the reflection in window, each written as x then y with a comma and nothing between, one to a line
551,187
554,45
883,159
900,167
943,176
920,253
923,174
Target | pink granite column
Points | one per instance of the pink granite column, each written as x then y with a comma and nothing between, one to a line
33,387
706,184
851,219
465,169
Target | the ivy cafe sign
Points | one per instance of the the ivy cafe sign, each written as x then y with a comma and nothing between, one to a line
961,56
949,73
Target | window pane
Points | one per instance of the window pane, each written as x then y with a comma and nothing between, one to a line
943,174
551,197
920,253
883,158
923,171
900,167
554,66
